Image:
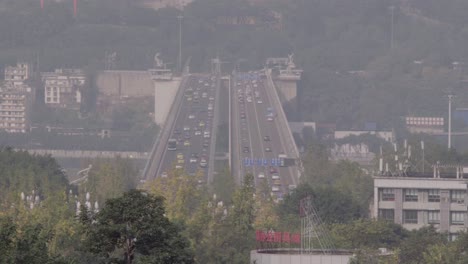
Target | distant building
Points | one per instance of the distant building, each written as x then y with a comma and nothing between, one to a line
62,88
438,198
385,135
428,125
16,75
358,152
15,104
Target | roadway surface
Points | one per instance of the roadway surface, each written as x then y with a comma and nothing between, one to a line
250,126
193,119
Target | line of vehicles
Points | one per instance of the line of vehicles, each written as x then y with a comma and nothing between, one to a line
191,138
249,92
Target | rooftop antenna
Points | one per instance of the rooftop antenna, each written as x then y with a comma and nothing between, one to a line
423,158
450,98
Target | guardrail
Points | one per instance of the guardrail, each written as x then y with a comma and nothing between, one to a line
214,128
284,129
165,131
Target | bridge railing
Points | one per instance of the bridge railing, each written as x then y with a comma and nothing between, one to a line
164,132
284,129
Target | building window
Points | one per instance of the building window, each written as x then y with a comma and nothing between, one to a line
411,195
434,196
387,214
457,218
457,196
388,195
433,217
410,216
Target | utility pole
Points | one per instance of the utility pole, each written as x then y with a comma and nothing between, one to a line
392,9
179,62
450,97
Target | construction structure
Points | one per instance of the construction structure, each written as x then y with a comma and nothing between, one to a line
313,234
315,243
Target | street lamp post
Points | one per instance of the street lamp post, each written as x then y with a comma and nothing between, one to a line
179,62
392,9
450,97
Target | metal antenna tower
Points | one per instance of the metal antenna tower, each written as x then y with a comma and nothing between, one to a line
313,233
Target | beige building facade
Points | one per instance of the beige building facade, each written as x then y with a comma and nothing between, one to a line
15,103
424,200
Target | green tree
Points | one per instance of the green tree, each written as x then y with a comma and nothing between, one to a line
412,249
110,178
133,227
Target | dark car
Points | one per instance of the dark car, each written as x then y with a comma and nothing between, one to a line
266,138
273,170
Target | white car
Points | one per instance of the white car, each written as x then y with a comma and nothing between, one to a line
191,116
186,128
275,189
211,98
270,118
261,175
193,160
197,133
206,134
259,102
275,177
164,174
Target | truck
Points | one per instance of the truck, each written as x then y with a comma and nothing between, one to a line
285,161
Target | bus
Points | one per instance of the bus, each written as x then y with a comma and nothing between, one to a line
172,144
285,161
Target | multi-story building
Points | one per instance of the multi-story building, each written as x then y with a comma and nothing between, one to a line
16,75
418,200
15,102
62,88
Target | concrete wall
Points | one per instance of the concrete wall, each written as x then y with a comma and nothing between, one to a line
164,95
267,258
60,153
125,83
287,92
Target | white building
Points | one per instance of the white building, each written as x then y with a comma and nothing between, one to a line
414,201
16,75
15,103
62,88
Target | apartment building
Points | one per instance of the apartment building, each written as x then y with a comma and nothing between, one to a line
417,200
15,103
16,75
62,88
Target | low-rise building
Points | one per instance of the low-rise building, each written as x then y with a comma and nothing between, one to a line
416,200
428,125
16,75
62,88
15,104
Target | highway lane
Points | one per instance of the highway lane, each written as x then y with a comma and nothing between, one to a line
250,102
194,114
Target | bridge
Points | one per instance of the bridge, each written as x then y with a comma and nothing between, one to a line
260,140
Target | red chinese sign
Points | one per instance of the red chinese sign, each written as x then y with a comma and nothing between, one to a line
277,237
